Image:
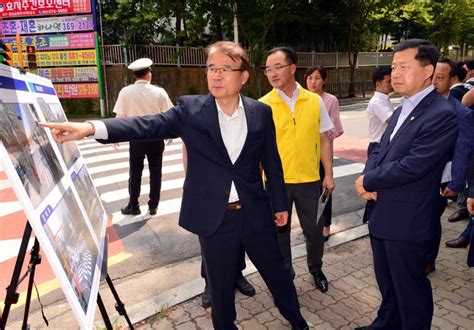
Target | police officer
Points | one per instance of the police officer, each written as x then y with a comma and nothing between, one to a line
141,99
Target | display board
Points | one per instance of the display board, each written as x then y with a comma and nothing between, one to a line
22,8
53,185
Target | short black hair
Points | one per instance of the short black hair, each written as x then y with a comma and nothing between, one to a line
460,71
470,65
451,63
380,73
289,52
427,52
141,73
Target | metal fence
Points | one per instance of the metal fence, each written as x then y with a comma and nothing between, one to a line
193,56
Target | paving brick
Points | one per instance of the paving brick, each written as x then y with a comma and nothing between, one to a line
276,325
443,324
345,312
353,304
265,317
344,286
354,282
311,304
458,320
204,323
458,309
187,326
242,313
335,293
332,318
252,324
252,306
312,318
367,299
179,315
454,297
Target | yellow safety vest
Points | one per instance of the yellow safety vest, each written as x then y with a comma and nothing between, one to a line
297,137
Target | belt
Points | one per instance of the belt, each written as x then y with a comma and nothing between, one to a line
233,206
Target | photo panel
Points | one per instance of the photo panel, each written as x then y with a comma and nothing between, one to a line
90,199
54,113
72,242
29,149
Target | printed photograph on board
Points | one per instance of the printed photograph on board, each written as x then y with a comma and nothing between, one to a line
72,241
29,149
54,113
90,200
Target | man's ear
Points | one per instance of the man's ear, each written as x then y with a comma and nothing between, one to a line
245,77
429,71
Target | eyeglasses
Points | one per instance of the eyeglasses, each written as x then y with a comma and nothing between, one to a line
267,71
225,70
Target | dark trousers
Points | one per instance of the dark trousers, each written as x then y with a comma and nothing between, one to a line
239,272
305,197
153,150
326,217
407,299
369,206
222,252
435,242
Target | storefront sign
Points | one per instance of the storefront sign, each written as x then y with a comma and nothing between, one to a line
79,74
77,90
57,41
62,58
25,8
58,24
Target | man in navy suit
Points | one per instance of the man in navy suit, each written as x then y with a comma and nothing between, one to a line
227,137
403,174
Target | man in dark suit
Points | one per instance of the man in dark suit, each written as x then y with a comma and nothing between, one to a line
470,208
227,137
403,174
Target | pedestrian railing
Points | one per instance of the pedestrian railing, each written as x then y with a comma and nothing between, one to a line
195,56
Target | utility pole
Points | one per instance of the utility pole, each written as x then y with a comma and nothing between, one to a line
236,24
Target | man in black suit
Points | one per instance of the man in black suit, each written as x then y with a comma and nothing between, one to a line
227,137
403,174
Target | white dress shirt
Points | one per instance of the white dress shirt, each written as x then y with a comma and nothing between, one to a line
325,121
408,104
379,110
234,132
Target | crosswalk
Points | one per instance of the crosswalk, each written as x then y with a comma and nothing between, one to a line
108,166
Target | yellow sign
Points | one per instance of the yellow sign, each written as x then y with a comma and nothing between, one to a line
64,58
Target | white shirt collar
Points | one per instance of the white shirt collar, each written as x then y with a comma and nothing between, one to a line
415,99
295,95
240,107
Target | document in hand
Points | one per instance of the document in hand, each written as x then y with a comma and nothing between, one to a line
323,200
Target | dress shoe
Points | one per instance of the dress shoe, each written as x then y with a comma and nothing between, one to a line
430,268
301,326
206,298
152,211
460,242
129,209
321,281
362,328
458,216
245,287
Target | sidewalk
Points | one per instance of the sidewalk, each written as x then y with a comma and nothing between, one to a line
352,299
353,296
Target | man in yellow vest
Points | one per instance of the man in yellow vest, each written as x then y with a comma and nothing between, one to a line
301,120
